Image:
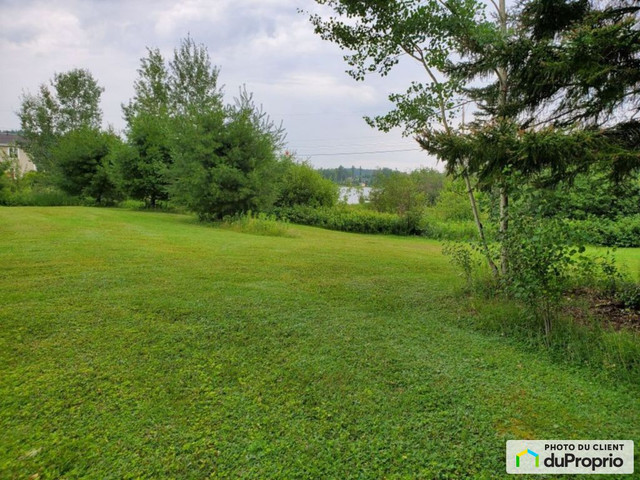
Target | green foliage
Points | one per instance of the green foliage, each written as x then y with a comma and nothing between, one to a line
77,101
5,183
151,88
225,161
453,202
41,197
464,230
302,185
34,189
377,35
144,164
462,255
349,218
541,257
217,161
346,219
407,194
621,232
576,60
588,195
73,104
192,82
629,294
257,224
84,164
396,193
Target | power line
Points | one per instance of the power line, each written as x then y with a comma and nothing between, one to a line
357,153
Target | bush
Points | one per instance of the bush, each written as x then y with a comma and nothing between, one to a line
452,230
50,197
34,189
358,219
629,295
302,185
346,219
541,258
622,232
83,166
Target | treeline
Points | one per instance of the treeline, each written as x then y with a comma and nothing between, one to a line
182,144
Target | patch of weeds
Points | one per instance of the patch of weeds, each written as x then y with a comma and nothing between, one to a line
544,270
629,295
257,224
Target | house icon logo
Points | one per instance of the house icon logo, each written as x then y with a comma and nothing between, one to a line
530,452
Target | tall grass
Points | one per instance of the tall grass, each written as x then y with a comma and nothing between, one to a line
49,197
257,224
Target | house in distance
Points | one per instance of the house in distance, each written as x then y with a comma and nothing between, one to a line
10,151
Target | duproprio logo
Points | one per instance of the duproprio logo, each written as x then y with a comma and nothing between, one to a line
530,452
542,457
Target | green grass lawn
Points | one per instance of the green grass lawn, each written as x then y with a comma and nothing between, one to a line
143,345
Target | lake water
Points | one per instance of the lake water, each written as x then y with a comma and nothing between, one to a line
352,194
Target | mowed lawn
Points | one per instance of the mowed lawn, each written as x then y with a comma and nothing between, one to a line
146,345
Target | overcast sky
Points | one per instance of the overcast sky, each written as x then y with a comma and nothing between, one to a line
265,44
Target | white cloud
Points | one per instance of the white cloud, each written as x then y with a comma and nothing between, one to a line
41,30
319,87
180,14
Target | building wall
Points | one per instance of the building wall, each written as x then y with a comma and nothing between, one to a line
11,152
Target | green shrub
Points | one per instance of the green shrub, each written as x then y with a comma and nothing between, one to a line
302,185
357,219
346,219
622,232
83,166
47,197
452,230
628,293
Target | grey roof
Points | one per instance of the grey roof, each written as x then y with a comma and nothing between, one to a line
9,138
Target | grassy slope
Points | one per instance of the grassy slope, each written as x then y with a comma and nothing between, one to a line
145,345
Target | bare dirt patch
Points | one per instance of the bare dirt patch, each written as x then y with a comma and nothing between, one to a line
589,303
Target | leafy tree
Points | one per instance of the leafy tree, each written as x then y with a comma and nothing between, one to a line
78,101
72,103
84,164
591,194
429,182
407,195
151,96
302,185
37,121
434,35
145,166
165,97
397,193
193,81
